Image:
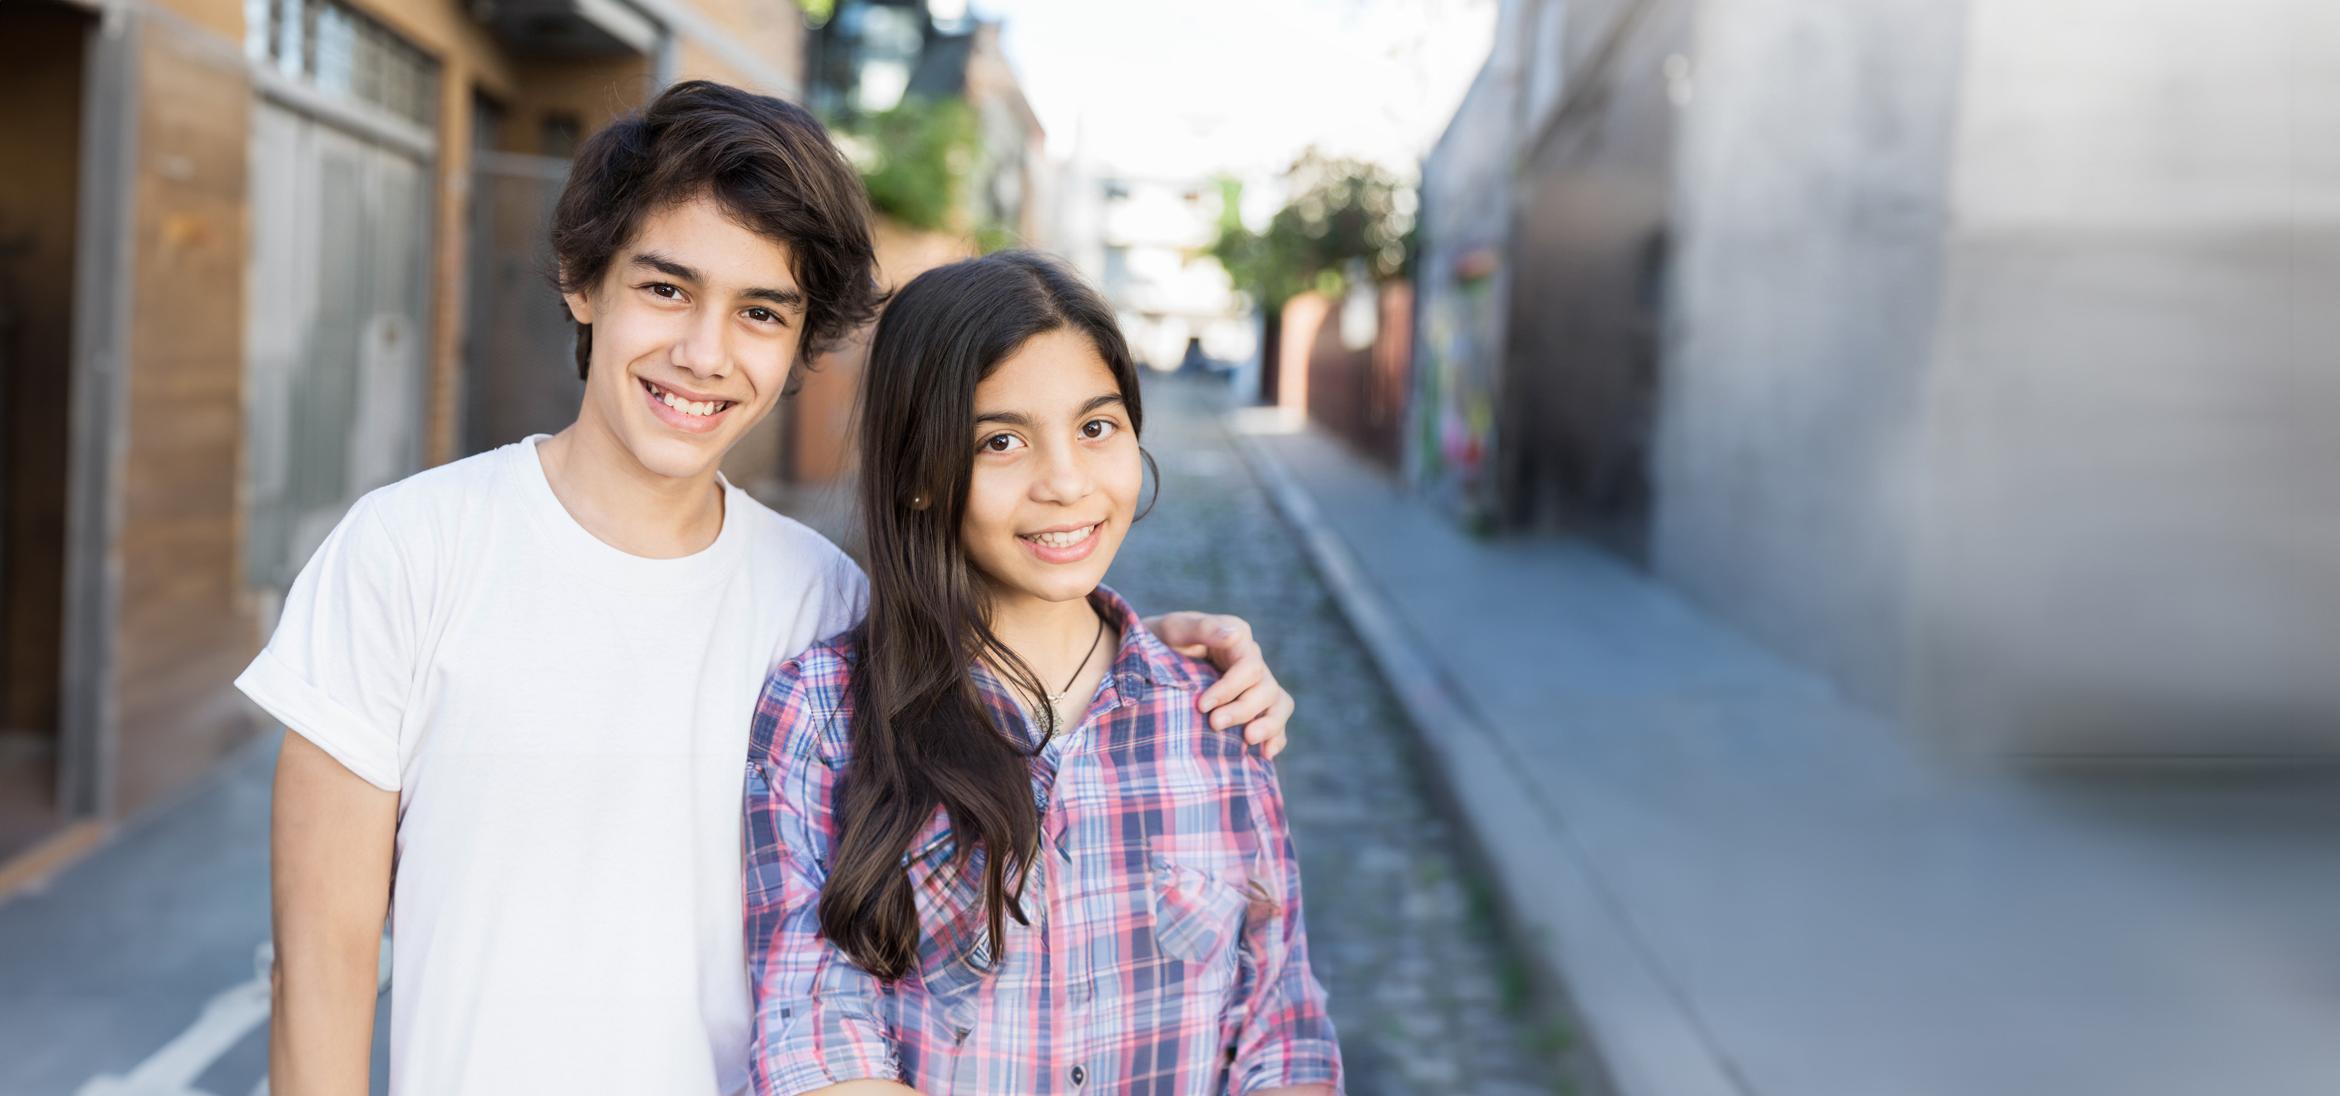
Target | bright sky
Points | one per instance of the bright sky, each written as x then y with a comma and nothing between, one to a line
1198,87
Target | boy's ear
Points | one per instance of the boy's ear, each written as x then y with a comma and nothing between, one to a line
580,306
580,302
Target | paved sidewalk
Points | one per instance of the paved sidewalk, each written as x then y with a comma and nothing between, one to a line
138,970
1750,886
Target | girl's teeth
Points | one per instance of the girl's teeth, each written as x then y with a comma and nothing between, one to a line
1064,540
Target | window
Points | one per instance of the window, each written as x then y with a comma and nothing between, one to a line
338,50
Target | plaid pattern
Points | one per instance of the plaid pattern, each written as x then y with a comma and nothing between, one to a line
1165,954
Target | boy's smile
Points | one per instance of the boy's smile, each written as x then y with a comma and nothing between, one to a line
685,409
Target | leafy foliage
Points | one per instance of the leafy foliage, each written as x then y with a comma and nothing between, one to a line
1344,215
915,158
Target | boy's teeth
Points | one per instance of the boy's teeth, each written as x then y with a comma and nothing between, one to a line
688,407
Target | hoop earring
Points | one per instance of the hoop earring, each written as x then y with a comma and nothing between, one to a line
1156,469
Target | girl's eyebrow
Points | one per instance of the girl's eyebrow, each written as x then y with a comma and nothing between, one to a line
1018,418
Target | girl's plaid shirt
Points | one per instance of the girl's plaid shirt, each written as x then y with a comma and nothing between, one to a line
1165,951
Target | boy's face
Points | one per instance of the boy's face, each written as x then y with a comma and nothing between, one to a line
1057,471
695,326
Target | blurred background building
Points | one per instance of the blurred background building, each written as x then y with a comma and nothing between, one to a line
1972,358
921,96
1145,242
260,257
1965,352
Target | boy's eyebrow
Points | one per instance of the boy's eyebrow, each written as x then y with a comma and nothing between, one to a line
786,298
666,266
1018,418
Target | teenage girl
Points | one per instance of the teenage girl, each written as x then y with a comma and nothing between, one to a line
994,846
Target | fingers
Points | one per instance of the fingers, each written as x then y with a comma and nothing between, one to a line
1267,732
1247,694
1181,629
1191,633
1226,699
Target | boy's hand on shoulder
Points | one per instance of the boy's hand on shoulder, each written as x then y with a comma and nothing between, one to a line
1247,693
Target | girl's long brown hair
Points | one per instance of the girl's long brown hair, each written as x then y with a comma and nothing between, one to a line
922,736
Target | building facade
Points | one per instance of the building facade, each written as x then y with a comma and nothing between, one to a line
1965,351
267,255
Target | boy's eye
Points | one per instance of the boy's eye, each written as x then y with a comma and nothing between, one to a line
664,290
1099,429
1002,443
763,315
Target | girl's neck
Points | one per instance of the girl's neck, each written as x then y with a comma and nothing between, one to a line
625,505
1050,636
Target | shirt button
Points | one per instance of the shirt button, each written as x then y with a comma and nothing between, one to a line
1079,1075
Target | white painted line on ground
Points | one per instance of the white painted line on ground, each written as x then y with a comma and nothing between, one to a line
226,1019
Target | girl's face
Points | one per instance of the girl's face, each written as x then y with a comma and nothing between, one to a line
1057,471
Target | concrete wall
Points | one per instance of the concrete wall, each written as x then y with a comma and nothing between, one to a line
1809,210
1594,190
1999,381
2130,538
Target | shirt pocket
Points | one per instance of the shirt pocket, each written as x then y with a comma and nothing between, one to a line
955,950
1200,894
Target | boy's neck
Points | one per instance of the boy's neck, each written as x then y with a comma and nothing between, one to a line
625,505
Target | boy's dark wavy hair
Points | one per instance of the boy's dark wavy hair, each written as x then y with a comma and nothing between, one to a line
766,162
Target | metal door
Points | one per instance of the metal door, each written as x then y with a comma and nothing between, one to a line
340,243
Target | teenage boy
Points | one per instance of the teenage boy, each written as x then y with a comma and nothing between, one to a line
521,683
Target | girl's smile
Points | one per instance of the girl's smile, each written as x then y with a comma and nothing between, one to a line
1063,543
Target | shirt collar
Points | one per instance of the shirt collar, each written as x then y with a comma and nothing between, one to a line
1141,655
1141,662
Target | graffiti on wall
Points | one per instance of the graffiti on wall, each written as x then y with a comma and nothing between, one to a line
1455,381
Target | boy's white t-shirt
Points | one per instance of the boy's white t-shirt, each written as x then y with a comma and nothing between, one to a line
566,726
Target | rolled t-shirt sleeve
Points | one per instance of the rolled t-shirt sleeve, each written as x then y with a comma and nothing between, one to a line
340,666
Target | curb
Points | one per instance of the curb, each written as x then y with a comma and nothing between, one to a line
1641,1031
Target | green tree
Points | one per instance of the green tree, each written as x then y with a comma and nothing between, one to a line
1343,214
915,158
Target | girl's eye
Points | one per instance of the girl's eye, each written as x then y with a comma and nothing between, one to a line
1099,429
1002,443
